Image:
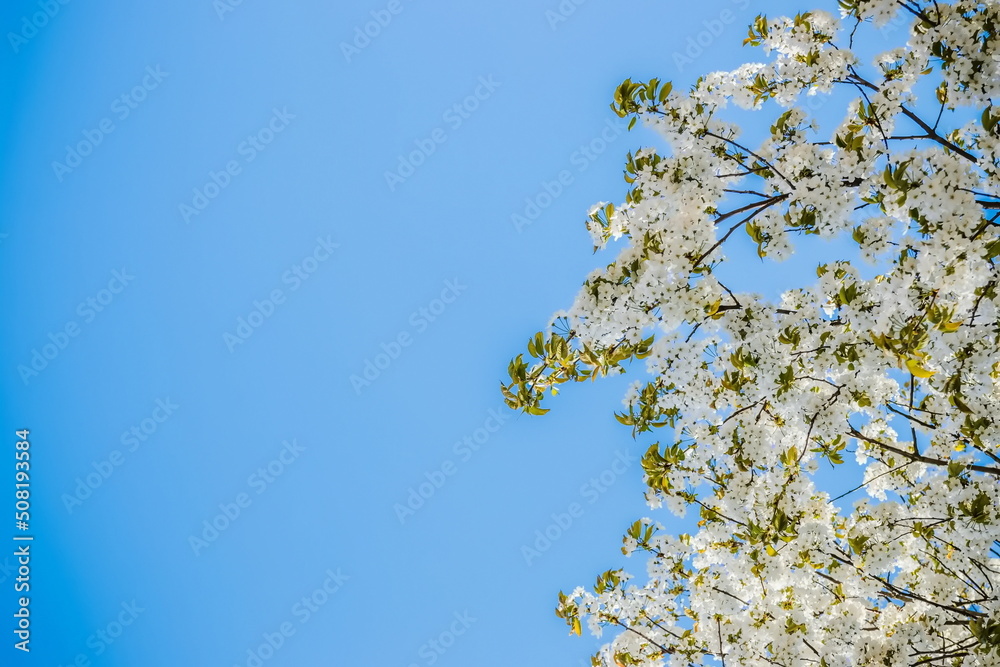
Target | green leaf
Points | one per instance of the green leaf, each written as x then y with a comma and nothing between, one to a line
624,419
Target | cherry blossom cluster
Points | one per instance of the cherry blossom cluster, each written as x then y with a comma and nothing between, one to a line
897,364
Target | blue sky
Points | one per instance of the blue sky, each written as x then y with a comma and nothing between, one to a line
217,214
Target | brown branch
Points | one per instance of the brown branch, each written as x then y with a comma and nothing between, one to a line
934,136
911,418
761,206
920,457
744,148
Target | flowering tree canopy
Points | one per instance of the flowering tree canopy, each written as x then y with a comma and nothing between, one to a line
900,368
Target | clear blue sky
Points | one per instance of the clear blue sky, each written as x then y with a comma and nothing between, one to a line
201,246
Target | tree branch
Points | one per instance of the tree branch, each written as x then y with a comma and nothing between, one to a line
920,457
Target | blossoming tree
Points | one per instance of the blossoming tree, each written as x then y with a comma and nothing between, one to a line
900,369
